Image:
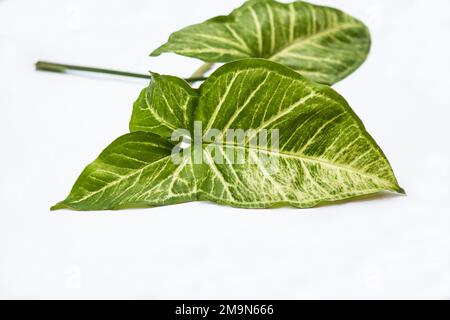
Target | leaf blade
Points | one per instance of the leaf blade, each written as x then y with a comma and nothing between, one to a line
136,170
167,104
323,146
322,43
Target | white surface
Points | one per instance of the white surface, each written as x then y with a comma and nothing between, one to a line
53,125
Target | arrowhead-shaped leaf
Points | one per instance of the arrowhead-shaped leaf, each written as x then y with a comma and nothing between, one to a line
322,43
323,153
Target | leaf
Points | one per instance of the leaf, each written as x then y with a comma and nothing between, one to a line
165,105
136,170
322,43
324,153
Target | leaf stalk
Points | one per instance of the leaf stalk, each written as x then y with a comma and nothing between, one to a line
63,68
204,68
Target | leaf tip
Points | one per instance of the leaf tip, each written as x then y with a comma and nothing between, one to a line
153,74
156,52
398,189
58,206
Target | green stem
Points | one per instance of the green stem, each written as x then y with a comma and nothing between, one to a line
62,68
204,68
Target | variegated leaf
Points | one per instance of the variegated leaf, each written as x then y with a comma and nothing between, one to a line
322,43
136,170
324,153
165,105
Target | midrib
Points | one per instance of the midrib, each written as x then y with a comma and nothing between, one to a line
312,37
308,159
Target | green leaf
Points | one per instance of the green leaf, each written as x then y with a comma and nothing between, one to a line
324,153
322,43
165,105
136,170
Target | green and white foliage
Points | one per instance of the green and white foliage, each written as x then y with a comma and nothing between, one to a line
322,43
167,104
136,170
324,153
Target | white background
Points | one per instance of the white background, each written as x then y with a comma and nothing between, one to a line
52,125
